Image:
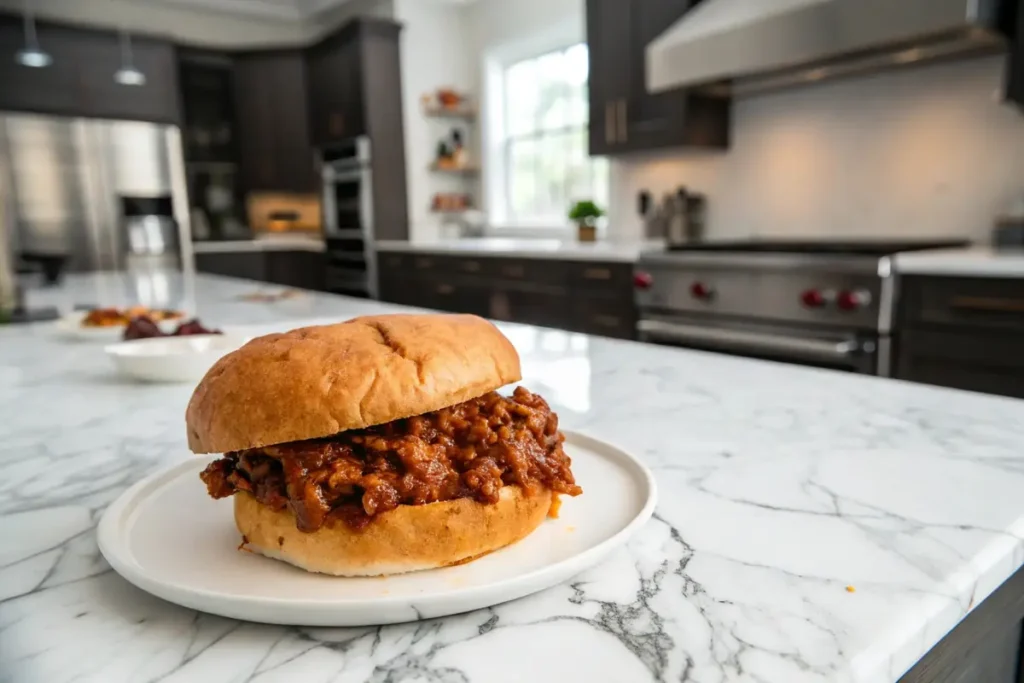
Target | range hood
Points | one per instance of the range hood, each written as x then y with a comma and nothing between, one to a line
750,45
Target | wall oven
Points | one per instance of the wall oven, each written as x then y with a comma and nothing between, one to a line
346,170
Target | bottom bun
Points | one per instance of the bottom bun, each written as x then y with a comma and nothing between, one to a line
406,539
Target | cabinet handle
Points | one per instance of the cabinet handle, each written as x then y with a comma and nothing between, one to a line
336,123
471,266
989,304
609,122
606,320
623,121
597,274
514,271
424,263
445,289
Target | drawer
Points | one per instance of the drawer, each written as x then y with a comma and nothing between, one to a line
604,318
958,375
614,280
389,261
970,302
456,297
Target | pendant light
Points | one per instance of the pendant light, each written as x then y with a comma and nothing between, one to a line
128,74
31,55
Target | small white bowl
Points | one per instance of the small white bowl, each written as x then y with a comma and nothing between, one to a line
70,326
172,359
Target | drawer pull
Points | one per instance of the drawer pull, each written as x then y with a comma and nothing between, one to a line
471,266
606,320
987,304
424,263
445,289
395,261
514,271
597,274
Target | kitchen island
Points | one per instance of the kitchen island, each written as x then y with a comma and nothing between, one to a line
813,526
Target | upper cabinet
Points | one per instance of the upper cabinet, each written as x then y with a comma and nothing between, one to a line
335,68
273,123
80,81
624,116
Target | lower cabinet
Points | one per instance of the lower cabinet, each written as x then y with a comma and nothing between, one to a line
964,333
300,269
594,298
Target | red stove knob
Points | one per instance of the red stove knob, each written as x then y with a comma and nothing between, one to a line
699,290
816,298
642,280
853,300
813,298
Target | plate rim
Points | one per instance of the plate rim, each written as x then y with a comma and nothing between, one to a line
110,531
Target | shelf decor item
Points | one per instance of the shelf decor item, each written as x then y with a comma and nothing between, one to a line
585,214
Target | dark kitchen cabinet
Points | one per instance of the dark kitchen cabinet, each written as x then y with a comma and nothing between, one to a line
249,265
273,124
156,100
80,81
964,333
335,68
624,116
594,298
301,269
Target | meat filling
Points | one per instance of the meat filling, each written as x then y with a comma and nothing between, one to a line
469,450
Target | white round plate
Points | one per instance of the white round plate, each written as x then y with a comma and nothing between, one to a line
171,359
168,537
69,326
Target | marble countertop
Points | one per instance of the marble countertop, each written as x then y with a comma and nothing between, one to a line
625,252
282,242
780,487
967,262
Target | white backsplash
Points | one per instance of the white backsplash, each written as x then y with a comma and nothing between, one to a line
920,152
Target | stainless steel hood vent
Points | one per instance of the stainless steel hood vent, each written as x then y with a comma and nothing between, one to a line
745,46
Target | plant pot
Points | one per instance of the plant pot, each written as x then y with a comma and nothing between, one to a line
586,230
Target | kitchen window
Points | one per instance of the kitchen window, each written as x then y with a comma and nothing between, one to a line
544,146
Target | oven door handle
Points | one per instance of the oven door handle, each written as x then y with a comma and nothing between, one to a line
344,175
656,330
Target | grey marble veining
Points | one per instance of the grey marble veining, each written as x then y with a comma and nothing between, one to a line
780,487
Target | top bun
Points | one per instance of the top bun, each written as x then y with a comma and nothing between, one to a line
314,382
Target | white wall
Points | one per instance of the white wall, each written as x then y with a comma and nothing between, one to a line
435,53
924,151
197,26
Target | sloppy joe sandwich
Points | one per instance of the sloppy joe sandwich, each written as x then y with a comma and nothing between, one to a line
379,445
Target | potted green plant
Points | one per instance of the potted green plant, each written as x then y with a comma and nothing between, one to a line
585,214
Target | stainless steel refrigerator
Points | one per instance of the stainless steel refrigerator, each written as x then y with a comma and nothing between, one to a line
68,179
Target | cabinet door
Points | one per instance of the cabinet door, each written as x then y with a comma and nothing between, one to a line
155,100
651,120
273,127
608,33
248,265
335,92
303,269
255,122
56,89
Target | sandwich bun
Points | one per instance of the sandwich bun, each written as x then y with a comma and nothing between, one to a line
408,538
315,382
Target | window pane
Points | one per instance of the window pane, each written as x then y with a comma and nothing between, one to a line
521,97
522,186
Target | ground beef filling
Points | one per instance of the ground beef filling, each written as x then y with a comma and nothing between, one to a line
469,450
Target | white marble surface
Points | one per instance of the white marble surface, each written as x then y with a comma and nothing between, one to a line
282,242
966,262
626,252
780,486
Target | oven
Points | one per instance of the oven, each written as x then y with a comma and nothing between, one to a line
847,350
348,218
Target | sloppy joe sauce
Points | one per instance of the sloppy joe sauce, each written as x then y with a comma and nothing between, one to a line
470,450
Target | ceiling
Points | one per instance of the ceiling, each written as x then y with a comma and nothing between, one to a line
277,9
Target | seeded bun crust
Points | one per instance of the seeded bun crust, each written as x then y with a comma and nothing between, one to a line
408,538
317,381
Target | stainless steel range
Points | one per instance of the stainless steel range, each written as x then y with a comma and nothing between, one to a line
828,304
